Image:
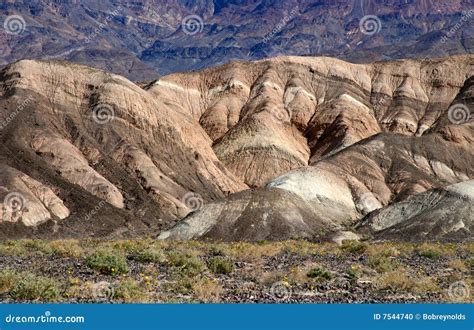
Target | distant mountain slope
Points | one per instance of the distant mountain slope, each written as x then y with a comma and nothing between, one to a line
147,38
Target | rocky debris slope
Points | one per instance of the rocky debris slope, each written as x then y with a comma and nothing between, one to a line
445,213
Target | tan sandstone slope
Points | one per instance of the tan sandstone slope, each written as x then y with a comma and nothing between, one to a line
323,142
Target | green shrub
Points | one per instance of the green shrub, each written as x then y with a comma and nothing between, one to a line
8,279
430,253
320,273
216,251
148,256
381,263
220,265
107,262
354,247
185,264
31,287
353,274
130,291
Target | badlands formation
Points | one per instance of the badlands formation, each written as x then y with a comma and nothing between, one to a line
289,147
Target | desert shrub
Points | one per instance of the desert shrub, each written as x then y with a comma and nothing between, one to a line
12,248
470,264
185,264
382,263
429,251
320,273
220,265
354,247
150,255
216,251
399,281
207,290
8,279
65,248
352,273
107,262
396,281
130,291
31,287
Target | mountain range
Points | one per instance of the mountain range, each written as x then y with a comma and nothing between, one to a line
143,40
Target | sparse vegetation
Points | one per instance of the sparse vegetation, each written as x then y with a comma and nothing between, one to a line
352,273
434,251
354,247
130,291
150,271
220,265
152,255
107,262
27,286
399,281
207,290
8,279
319,273
382,263
185,264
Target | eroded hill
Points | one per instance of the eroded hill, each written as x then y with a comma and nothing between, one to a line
320,142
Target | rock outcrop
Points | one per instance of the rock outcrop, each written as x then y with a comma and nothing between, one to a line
444,213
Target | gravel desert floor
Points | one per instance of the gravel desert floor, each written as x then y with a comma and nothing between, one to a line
148,271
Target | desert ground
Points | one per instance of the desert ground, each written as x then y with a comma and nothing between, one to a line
149,271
